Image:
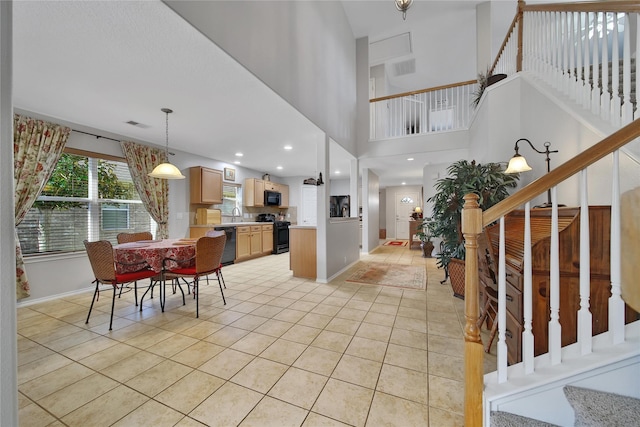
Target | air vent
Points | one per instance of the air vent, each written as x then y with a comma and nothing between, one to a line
392,47
404,67
137,124
132,123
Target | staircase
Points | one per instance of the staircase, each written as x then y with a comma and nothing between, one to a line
550,49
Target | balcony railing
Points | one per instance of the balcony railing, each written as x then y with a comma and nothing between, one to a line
442,108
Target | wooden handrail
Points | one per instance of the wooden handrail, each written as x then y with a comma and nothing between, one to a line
431,89
515,20
591,155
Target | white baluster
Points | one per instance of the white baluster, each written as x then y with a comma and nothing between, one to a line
586,86
527,334
555,330
627,108
502,308
579,31
595,89
584,314
572,54
605,96
615,74
616,304
566,37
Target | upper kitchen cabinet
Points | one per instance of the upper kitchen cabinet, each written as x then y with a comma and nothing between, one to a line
283,189
253,192
206,185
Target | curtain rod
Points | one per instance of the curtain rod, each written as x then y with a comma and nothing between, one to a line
104,137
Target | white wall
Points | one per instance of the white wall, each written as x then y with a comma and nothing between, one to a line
305,51
370,210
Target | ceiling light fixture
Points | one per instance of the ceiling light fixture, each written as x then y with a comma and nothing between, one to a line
403,6
239,154
288,147
166,170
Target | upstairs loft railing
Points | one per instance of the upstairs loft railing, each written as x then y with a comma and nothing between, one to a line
585,50
437,109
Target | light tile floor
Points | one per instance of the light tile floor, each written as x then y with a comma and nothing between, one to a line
283,352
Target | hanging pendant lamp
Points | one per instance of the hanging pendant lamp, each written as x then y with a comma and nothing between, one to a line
166,170
403,6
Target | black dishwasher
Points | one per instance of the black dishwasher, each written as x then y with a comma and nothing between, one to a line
229,254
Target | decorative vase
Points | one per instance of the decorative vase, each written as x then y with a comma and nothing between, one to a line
427,249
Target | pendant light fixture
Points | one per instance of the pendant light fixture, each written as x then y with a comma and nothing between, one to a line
403,6
166,170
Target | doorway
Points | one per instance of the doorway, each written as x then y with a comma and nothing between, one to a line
405,204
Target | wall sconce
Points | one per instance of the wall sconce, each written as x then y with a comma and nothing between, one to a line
519,164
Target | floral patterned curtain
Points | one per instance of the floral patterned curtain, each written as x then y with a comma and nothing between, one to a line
37,146
154,192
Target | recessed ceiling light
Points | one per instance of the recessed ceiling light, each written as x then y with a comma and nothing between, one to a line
279,167
410,158
239,154
237,162
404,183
337,172
288,147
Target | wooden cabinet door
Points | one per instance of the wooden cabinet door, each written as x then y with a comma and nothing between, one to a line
243,242
206,185
284,199
258,193
256,239
267,238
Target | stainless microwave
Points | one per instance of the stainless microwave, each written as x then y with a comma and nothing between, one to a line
272,198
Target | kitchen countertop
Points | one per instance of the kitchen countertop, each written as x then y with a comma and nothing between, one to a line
312,227
230,224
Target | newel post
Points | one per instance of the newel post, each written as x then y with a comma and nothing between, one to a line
473,350
520,19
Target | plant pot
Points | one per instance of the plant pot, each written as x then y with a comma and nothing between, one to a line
456,277
427,249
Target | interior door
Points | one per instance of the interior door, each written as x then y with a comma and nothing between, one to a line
405,203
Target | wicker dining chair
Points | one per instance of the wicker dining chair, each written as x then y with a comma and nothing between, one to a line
216,233
103,264
207,261
134,237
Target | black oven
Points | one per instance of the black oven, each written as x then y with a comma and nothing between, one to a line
280,237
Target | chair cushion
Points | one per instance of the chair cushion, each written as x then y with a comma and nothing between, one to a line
187,271
600,408
136,275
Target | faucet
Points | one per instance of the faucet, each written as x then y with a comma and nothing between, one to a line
233,213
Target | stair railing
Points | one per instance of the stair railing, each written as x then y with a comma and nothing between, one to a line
474,221
578,48
437,109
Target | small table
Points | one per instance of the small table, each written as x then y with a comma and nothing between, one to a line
154,253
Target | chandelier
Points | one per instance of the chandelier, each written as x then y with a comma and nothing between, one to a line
166,170
403,6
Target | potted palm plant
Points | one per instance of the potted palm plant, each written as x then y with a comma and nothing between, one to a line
426,237
490,183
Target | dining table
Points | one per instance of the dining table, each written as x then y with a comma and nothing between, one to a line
159,254
128,256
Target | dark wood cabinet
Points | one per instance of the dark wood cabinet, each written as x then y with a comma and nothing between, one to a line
569,258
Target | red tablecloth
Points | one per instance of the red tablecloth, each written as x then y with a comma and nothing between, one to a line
153,252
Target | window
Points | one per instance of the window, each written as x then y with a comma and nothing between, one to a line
86,198
231,198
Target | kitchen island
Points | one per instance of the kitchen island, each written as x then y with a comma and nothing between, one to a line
302,251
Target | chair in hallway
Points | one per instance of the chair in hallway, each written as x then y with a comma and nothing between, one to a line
103,264
207,261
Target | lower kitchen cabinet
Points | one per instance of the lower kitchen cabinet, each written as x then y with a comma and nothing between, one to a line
253,240
267,239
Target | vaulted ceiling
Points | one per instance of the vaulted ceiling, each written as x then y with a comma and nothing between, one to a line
104,64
